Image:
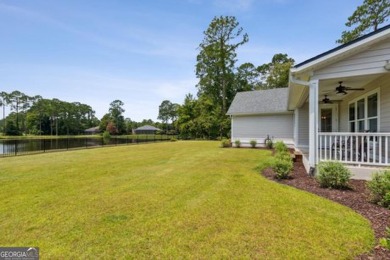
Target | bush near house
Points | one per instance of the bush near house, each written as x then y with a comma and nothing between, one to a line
282,168
333,175
385,242
225,143
253,143
380,188
237,143
280,147
283,164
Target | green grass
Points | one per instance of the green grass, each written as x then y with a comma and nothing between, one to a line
168,200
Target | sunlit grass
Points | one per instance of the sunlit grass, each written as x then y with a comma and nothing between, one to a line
168,200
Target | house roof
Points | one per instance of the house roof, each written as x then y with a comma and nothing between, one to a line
147,128
342,51
268,101
92,129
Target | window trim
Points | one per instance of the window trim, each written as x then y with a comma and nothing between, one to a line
366,118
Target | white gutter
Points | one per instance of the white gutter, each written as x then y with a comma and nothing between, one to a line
298,81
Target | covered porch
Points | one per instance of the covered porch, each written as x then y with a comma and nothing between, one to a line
341,104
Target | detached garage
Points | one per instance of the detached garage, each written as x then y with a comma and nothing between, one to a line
255,115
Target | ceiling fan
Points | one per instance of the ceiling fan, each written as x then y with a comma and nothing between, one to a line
342,90
326,100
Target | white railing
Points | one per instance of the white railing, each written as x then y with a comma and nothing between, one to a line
354,148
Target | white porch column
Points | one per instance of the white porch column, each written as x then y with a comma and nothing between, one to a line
313,122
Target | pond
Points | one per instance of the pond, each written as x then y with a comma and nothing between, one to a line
26,146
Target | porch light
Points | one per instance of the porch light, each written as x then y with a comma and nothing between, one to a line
341,93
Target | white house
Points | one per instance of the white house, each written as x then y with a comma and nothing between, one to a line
256,115
337,105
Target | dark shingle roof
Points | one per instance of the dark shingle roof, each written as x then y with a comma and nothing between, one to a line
148,128
259,102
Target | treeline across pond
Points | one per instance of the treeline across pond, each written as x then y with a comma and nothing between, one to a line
23,146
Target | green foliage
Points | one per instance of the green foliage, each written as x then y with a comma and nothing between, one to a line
280,147
253,143
282,167
173,139
116,116
276,73
200,118
216,60
106,137
283,164
237,143
380,188
167,111
225,143
333,175
366,18
283,155
385,242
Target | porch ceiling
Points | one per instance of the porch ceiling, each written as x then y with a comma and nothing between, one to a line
328,86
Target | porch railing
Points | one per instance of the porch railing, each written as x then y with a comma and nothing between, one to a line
354,148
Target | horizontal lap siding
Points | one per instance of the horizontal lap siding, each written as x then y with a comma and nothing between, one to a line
258,127
372,59
303,125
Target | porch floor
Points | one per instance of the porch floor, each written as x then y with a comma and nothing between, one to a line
359,172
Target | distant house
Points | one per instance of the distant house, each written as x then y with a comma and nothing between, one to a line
92,130
146,130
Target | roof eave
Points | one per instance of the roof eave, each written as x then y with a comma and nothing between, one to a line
340,51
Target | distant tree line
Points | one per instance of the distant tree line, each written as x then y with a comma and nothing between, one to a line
38,116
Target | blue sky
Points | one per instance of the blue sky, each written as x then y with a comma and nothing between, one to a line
144,51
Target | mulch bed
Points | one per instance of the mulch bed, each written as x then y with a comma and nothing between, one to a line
357,198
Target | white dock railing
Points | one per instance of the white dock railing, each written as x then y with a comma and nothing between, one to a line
354,148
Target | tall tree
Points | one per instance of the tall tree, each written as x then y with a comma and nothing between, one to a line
275,74
216,60
116,110
247,77
164,111
366,18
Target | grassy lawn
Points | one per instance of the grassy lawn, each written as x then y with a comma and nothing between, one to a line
168,200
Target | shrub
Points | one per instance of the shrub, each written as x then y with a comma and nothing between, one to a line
380,188
106,137
282,168
284,155
333,175
269,143
280,147
237,143
225,143
253,143
173,139
385,242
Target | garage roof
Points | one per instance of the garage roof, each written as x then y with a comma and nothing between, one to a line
267,101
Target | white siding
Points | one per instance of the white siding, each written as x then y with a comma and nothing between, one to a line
366,62
383,83
279,126
303,126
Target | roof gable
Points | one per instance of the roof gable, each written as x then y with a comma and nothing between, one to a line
342,51
268,101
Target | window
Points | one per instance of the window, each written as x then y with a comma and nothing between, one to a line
364,113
